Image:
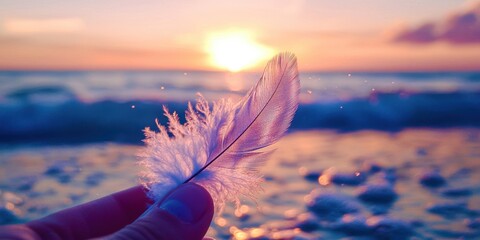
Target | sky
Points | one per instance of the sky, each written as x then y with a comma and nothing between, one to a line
326,35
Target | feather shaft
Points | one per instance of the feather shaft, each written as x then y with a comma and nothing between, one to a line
221,147
233,142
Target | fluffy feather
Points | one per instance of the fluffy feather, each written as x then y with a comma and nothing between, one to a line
222,147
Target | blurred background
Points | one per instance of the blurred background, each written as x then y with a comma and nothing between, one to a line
380,80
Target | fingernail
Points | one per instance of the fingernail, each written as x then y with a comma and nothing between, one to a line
188,203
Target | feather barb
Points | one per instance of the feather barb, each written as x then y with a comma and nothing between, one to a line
221,147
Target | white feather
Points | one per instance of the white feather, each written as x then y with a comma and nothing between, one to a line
222,147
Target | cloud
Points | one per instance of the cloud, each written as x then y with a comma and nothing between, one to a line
51,25
462,27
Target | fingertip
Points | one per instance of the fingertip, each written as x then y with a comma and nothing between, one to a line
189,203
186,213
192,205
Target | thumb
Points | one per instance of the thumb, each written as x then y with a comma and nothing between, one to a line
184,214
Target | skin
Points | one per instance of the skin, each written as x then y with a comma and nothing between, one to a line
186,213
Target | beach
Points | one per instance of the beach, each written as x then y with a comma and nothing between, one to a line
40,180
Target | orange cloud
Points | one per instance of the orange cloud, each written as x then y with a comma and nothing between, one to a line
20,53
50,25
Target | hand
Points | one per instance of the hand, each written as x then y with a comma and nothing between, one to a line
185,213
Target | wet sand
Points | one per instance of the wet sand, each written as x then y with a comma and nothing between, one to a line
419,183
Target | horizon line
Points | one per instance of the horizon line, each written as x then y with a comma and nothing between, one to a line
239,72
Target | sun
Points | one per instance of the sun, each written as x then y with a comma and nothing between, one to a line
236,51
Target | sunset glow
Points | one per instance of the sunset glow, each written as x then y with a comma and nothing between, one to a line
350,35
236,51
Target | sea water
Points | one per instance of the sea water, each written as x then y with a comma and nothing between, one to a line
63,107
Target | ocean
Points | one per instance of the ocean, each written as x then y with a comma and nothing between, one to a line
90,106
368,155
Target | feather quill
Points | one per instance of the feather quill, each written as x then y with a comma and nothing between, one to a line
221,147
